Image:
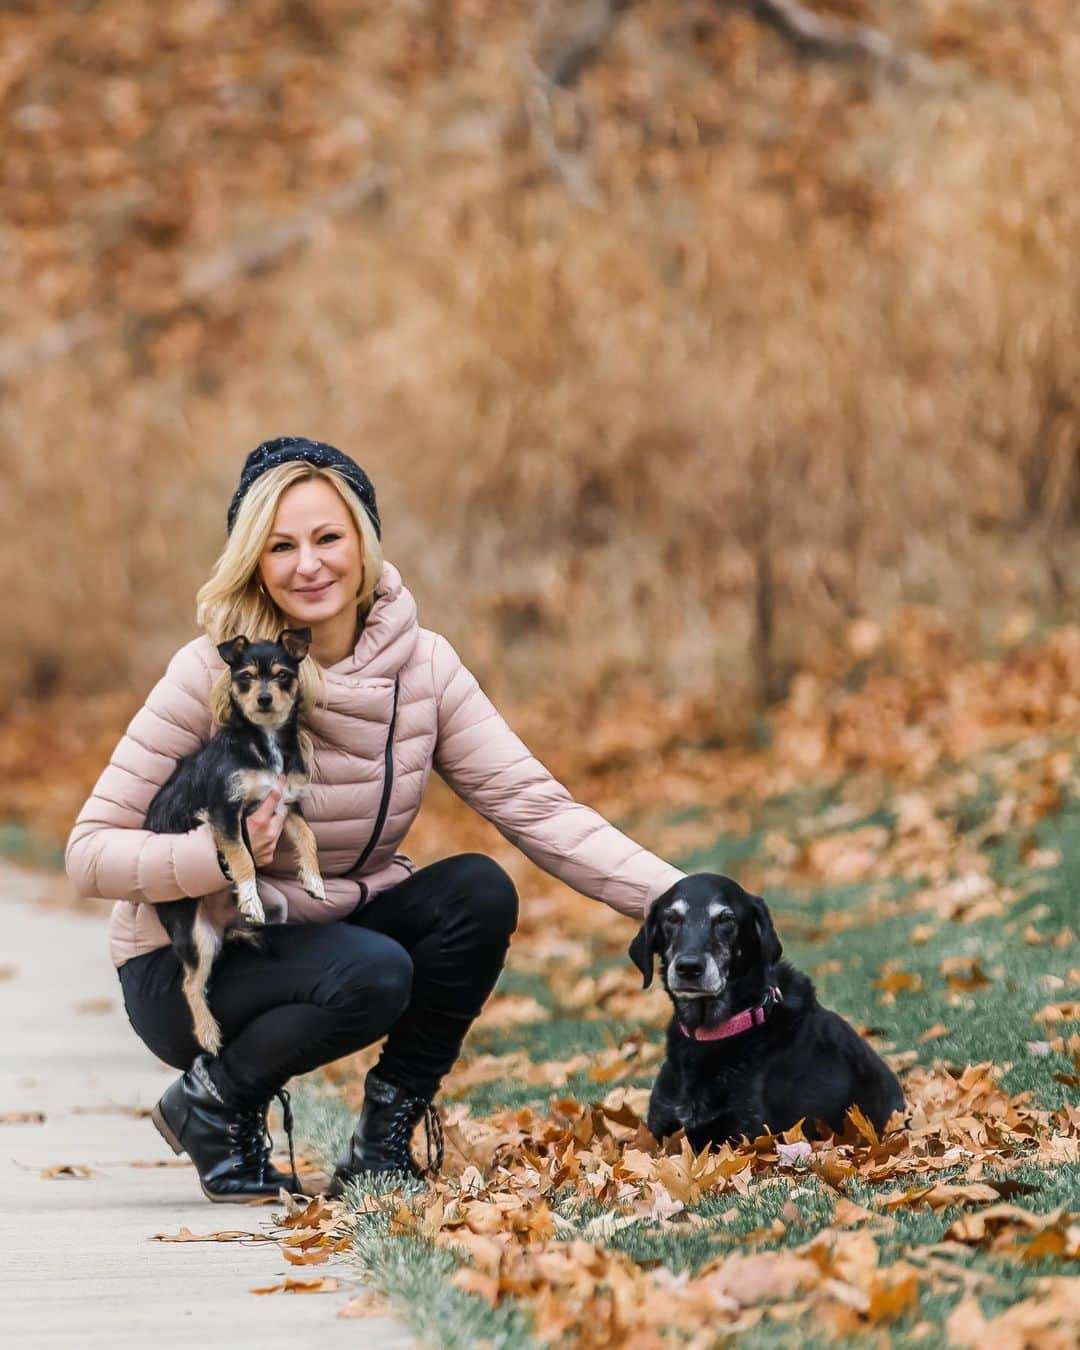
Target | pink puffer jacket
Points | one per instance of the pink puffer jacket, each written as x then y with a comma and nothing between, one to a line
399,705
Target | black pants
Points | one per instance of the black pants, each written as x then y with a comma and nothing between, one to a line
415,965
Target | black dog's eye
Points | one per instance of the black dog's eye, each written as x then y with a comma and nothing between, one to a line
284,679
243,683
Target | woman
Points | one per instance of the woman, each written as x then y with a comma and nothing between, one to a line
409,955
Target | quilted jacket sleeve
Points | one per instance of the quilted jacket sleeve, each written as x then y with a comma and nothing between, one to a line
109,854
491,769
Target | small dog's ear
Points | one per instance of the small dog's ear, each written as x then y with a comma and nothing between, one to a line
771,950
233,650
643,947
296,642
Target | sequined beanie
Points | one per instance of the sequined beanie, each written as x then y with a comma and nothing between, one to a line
287,449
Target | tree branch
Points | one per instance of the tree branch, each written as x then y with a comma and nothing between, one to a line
569,35
836,40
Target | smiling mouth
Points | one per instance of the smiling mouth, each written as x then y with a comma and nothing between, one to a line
697,993
313,590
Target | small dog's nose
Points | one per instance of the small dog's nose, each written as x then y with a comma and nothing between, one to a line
266,701
689,967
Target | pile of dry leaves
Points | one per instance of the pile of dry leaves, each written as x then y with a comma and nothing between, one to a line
519,1189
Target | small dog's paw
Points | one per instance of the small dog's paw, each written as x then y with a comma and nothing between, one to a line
313,884
249,904
208,1034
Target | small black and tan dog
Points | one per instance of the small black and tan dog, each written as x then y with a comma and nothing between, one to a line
749,1048
259,739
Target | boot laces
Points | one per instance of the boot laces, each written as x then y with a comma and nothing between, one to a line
251,1131
407,1113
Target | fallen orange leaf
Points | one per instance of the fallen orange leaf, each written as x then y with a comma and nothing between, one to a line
889,1302
326,1285
224,1235
94,1005
318,1256
365,1304
476,1282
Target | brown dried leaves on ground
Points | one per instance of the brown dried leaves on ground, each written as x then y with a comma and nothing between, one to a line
514,1184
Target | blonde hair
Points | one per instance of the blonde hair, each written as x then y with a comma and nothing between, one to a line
233,600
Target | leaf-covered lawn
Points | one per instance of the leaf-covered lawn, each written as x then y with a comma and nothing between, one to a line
937,911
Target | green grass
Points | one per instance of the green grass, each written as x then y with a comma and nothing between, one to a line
414,1275
22,846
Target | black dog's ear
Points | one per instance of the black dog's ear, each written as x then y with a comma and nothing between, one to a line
643,947
771,950
296,642
233,650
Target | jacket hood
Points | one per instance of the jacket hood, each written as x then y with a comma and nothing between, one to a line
389,635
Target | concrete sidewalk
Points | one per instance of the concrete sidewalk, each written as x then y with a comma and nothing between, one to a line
79,1265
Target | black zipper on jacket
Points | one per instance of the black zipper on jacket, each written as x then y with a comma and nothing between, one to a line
388,784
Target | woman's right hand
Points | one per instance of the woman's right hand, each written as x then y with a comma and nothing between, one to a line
265,824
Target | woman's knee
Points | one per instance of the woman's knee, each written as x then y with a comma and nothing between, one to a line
381,981
488,893
389,984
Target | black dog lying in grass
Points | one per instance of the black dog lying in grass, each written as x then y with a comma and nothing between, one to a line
749,1047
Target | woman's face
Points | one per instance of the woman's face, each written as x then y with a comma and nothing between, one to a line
312,563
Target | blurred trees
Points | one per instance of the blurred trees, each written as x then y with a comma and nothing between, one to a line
672,349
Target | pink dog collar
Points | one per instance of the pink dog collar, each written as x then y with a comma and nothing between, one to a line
749,1017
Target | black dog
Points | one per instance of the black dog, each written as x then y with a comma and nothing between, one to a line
749,1048
222,783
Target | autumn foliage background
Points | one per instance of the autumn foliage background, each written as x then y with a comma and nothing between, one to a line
665,373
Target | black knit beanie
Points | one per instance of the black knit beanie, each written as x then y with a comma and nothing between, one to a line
285,450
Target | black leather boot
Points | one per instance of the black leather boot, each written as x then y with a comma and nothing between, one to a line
230,1146
380,1141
